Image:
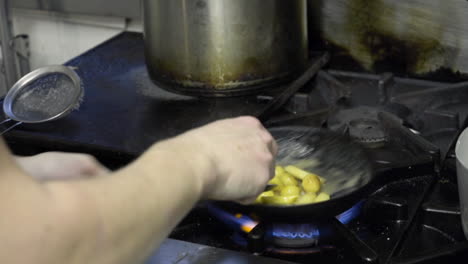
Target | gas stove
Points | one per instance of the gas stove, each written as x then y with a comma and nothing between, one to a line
409,126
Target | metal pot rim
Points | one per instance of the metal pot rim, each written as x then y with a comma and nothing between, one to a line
461,149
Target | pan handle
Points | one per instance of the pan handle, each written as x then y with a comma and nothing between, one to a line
362,249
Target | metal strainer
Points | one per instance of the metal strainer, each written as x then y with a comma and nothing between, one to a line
43,95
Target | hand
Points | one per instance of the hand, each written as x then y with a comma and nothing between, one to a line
241,153
61,166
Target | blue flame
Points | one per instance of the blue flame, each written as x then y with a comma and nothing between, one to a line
236,222
351,214
310,231
291,231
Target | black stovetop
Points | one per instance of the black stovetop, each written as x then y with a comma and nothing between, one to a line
408,125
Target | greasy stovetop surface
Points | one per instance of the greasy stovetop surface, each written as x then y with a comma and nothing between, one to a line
123,111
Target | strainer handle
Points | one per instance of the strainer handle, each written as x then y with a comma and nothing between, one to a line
10,128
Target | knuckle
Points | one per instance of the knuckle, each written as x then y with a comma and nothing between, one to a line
269,138
266,157
251,120
265,137
89,162
275,148
270,158
89,159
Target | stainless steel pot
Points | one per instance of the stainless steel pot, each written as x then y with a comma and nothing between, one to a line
224,47
461,152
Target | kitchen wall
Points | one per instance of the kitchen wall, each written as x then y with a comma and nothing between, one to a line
62,29
122,8
57,37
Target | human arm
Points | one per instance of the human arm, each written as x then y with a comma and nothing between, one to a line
122,218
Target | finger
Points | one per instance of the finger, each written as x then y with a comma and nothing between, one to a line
274,147
95,170
103,171
272,170
270,142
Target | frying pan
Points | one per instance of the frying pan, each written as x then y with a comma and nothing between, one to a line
344,164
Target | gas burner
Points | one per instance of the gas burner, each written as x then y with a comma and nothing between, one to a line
288,237
362,123
306,235
367,131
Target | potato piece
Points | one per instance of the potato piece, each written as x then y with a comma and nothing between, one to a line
322,180
287,179
311,183
300,173
290,191
322,197
279,170
307,198
277,189
280,200
275,181
296,172
264,194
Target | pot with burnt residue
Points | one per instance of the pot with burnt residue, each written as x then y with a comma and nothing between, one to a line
224,47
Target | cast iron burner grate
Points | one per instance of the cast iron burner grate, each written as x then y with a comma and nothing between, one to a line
348,101
361,123
404,123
